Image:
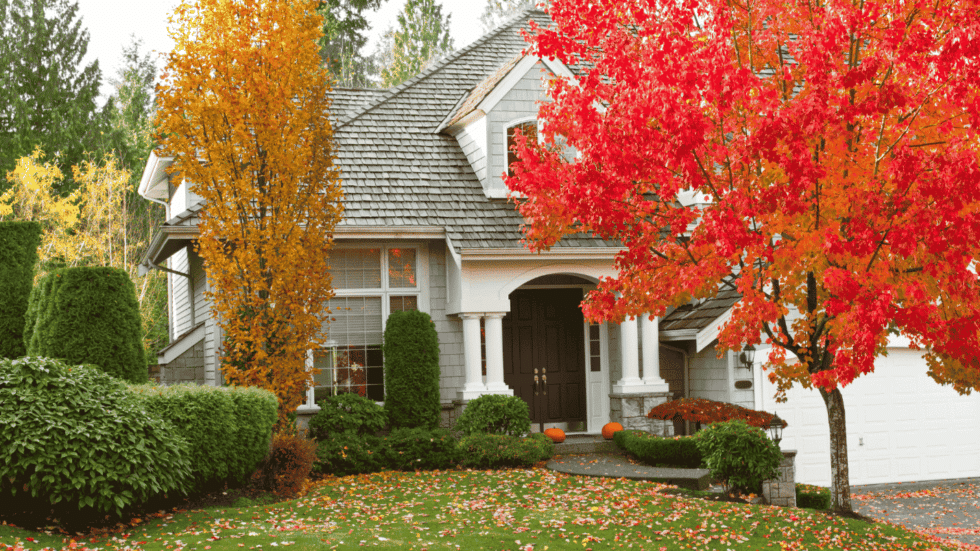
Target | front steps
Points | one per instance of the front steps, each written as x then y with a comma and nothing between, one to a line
578,443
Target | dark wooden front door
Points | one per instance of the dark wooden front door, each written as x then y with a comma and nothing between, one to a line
543,338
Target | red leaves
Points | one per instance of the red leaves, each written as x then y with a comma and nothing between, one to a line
706,411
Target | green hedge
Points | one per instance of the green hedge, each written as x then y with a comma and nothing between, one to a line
420,450
88,315
227,429
349,453
493,451
346,412
76,438
812,497
679,451
411,366
495,414
18,255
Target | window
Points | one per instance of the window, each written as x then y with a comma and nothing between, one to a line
529,129
370,283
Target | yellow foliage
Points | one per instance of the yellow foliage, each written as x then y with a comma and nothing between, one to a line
243,112
33,197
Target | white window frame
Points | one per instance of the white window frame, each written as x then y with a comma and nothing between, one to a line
512,124
385,292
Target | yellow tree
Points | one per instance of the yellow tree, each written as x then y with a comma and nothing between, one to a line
243,112
89,227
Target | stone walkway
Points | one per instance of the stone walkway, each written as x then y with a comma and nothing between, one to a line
619,466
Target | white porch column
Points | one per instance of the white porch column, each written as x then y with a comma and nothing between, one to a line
495,354
650,331
629,354
473,386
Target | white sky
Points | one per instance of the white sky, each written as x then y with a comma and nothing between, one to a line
111,22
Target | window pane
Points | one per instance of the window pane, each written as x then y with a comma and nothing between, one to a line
356,268
355,369
354,321
401,268
400,304
529,129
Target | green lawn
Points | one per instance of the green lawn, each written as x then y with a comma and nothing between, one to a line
508,509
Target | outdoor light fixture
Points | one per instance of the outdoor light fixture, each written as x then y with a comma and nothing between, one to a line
747,357
776,429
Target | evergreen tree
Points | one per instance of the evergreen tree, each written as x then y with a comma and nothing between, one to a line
129,110
344,28
498,11
421,39
47,97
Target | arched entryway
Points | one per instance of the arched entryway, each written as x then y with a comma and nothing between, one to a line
545,353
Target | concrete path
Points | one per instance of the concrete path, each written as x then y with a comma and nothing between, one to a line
947,509
619,466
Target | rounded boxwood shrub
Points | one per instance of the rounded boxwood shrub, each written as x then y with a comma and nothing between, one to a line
346,412
219,433
740,455
411,360
88,315
74,438
19,241
495,414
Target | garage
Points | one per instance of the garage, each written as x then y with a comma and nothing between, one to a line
901,425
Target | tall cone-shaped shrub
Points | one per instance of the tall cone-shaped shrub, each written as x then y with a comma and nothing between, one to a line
411,349
243,112
88,315
18,255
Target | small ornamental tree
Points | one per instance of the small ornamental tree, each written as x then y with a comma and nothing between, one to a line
819,158
88,316
411,352
18,255
244,114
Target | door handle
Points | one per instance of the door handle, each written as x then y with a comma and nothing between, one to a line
535,384
544,384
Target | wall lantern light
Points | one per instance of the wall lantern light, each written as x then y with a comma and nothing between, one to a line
747,357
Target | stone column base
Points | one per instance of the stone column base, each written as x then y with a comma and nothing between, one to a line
630,410
781,490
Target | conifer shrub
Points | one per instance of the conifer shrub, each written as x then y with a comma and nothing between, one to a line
346,412
78,441
411,365
495,414
226,443
88,315
290,460
420,449
740,455
18,255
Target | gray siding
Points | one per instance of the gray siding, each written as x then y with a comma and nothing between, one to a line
519,103
186,368
474,150
709,376
181,293
450,329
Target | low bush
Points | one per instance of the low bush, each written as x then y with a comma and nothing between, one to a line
812,497
74,438
411,367
495,414
491,451
289,463
738,454
347,453
420,449
679,451
347,412
226,442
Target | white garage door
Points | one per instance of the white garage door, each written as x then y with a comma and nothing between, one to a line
901,426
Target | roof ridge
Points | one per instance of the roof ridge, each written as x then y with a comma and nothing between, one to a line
392,92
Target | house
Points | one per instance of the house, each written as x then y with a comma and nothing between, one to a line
428,226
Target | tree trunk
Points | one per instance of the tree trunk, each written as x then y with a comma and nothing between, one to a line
840,483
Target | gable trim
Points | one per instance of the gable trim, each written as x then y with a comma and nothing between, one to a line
709,334
516,74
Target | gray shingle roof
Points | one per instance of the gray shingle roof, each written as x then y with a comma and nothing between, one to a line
700,315
397,170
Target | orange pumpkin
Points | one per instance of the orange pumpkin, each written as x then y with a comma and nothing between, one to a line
609,429
556,435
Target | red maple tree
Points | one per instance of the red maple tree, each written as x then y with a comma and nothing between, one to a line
831,151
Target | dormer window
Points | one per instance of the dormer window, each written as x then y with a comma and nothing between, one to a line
529,128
